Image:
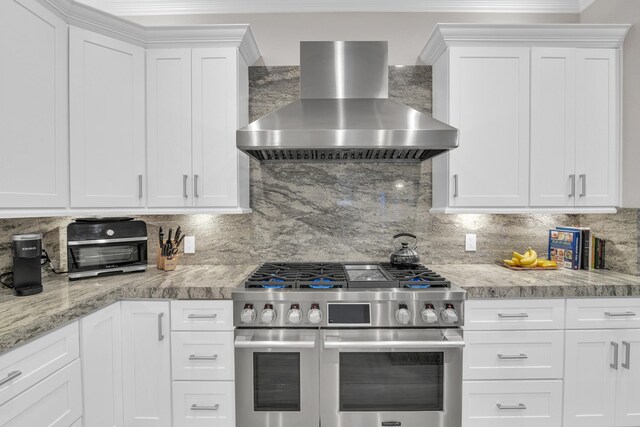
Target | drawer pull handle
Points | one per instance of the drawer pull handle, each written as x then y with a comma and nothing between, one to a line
203,316
195,407
627,355
614,364
507,407
623,314
513,315
212,357
512,356
12,375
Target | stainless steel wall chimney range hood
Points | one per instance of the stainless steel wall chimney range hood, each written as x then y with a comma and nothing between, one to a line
344,113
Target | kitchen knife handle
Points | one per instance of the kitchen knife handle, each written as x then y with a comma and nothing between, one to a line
140,186
184,186
195,186
583,182
573,186
455,185
614,365
160,331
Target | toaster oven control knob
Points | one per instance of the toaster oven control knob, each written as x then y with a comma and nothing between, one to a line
449,314
248,314
315,315
268,315
403,315
295,315
429,314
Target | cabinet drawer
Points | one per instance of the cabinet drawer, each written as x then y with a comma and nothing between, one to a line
503,355
602,313
510,403
54,402
204,404
202,355
201,315
23,367
514,314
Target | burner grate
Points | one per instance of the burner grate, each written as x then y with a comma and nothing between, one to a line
298,275
416,277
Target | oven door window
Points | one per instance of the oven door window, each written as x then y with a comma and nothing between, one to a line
276,381
391,382
95,257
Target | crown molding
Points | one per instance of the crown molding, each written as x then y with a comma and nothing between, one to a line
557,35
188,7
239,36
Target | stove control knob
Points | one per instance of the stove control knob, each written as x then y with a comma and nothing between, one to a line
403,315
449,314
268,315
429,315
248,314
315,315
295,315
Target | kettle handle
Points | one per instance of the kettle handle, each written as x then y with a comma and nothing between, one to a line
404,235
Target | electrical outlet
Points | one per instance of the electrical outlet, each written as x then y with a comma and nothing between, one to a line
189,244
470,243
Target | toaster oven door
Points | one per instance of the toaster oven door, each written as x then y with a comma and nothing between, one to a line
93,259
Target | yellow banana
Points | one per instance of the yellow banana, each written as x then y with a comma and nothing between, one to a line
517,255
531,258
509,262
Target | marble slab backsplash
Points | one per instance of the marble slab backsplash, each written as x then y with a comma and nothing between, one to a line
340,212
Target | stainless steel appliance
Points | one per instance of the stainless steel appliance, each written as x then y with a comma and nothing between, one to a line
104,246
352,344
344,113
26,250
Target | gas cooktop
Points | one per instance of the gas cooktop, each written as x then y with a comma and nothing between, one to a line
351,275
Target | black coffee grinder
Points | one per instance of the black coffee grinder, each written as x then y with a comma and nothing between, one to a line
27,270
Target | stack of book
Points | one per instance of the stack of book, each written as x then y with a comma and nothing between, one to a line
576,248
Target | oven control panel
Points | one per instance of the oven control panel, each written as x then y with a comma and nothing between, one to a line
348,314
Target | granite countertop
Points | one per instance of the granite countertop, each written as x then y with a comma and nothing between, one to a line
25,318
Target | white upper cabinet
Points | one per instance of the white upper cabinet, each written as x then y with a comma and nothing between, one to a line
107,121
196,99
33,107
489,89
537,108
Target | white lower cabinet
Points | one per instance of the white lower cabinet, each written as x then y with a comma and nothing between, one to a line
54,402
204,404
146,363
512,403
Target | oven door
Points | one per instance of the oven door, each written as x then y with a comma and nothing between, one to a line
277,378
87,259
378,378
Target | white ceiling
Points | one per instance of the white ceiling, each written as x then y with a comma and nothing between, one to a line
184,7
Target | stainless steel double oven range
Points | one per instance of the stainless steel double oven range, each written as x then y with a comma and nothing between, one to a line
348,345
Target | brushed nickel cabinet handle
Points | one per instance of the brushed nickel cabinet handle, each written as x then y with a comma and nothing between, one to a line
11,376
622,314
627,355
202,316
195,186
583,182
513,316
573,186
518,406
455,185
160,332
614,365
140,186
184,186
195,407
512,356
195,357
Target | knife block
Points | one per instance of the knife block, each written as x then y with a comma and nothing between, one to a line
166,263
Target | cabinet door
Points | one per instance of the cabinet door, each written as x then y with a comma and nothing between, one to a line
146,363
106,78
490,106
597,127
101,343
215,120
553,179
33,107
589,378
628,394
169,127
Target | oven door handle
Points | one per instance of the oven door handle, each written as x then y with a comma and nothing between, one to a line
336,343
243,342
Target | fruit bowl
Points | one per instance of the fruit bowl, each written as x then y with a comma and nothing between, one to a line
528,261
